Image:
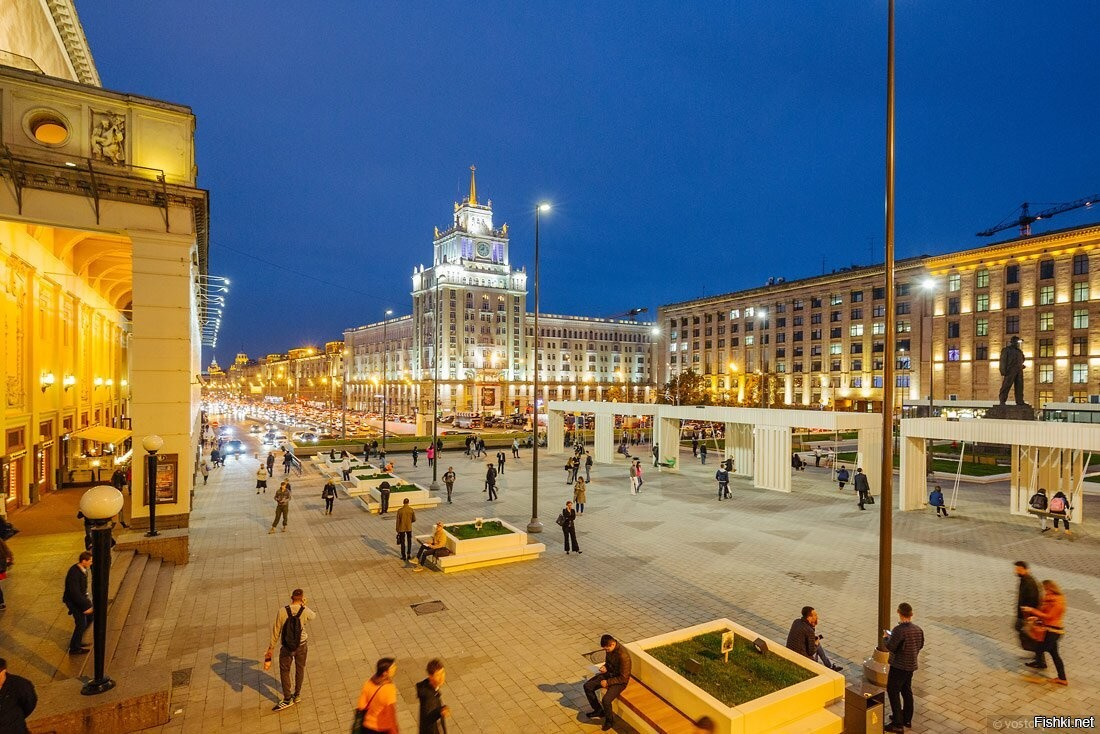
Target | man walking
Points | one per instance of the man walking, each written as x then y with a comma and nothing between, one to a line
289,632
288,461
345,467
261,479
1027,595
515,448
569,528
633,478
328,494
723,478
75,599
587,467
433,714
703,454
282,506
405,519
904,643
449,481
613,677
804,640
500,462
655,453
842,477
863,488
271,463
17,701
491,483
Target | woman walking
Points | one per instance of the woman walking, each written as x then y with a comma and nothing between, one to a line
580,491
1050,613
377,703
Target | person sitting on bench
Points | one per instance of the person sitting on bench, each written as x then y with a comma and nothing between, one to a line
432,547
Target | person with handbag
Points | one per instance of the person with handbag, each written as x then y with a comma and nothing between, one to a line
568,521
1027,595
376,710
6,560
1049,616
863,489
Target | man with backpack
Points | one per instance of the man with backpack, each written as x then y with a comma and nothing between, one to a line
723,477
290,634
842,477
1038,504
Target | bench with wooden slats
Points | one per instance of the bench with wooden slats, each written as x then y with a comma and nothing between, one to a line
655,711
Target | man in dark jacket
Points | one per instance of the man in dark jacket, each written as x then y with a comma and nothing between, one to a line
1026,596
803,638
1012,370
77,602
863,488
569,527
433,714
613,677
17,701
904,643
491,482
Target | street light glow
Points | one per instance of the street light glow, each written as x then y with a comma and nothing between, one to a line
544,206
928,284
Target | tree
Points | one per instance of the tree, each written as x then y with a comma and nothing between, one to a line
686,388
616,394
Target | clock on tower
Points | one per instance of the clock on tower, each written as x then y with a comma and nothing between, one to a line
483,249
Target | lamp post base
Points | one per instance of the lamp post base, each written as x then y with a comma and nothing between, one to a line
93,687
877,667
433,487
152,534
534,526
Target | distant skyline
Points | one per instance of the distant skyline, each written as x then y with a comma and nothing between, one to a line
688,149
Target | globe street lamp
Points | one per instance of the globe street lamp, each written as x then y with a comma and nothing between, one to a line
100,504
535,526
385,366
151,444
434,487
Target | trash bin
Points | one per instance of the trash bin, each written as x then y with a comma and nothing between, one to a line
864,708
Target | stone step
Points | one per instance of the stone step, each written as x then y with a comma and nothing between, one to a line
120,561
124,653
117,610
164,587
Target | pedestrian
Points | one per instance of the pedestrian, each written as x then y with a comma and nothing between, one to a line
842,476
7,560
328,494
638,474
1049,614
863,489
77,602
449,481
796,462
935,498
500,462
568,521
377,705
904,643
569,470
723,478
288,461
271,463
384,495
282,505
204,469
817,457
587,467
491,483
469,444
345,468
215,457
405,519
580,493
613,678
289,632
633,478
261,479
431,454
515,448
432,710
803,638
703,454
1038,504
415,454
382,457
694,445
374,447
1059,509
1027,595
17,701
432,547
655,453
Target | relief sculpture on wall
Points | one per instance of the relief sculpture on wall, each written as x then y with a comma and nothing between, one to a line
108,137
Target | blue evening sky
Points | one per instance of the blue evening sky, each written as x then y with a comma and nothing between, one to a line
689,148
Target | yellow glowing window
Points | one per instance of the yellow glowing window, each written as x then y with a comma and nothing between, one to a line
49,130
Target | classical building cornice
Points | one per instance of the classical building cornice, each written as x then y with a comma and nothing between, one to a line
1084,236
72,35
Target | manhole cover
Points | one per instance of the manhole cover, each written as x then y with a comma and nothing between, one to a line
181,677
429,607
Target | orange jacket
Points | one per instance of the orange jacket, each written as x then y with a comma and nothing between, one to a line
1051,612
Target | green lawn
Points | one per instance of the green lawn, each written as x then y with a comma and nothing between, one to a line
747,676
368,477
467,531
948,466
404,488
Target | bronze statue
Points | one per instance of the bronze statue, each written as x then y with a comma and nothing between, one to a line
1012,368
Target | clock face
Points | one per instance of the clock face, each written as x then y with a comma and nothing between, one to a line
483,249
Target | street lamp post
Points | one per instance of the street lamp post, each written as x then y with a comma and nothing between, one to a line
535,526
385,367
344,397
99,505
151,444
762,317
434,487
928,287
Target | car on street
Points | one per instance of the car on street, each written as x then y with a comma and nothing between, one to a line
232,448
306,437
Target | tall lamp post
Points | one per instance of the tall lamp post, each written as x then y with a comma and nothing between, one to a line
438,336
151,444
385,367
762,318
535,526
100,504
928,288
344,396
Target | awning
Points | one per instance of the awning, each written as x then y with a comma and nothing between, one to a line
102,434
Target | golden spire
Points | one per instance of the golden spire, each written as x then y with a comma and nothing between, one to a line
473,187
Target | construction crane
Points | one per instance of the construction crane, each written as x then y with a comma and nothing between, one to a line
632,314
1023,218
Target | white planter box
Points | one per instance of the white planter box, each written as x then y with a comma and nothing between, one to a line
780,711
417,498
363,486
491,551
515,539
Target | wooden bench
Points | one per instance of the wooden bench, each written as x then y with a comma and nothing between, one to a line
641,703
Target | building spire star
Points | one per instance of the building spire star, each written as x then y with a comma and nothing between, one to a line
473,187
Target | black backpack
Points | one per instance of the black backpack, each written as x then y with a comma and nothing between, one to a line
292,629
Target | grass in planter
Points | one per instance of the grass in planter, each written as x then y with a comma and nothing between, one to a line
373,476
747,676
404,488
467,531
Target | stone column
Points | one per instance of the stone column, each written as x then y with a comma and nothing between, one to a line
555,431
739,448
911,479
604,439
165,358
772,458
869,456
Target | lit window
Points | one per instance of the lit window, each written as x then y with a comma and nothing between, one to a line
1046,295
1046,374
1046,321
878,328
982,278
982,327
1080,374
855,330
749,340
1081,291
1080,318
953,354
982,302
954,282
735,313
836,348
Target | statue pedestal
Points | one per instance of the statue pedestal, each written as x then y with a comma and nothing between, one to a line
1011,412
